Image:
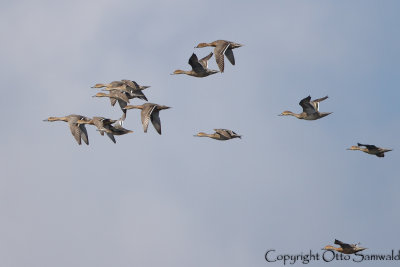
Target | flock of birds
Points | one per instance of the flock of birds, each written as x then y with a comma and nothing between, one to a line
125,90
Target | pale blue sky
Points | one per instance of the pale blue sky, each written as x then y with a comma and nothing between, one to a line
176,200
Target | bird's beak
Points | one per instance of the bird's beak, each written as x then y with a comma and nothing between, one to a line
46,120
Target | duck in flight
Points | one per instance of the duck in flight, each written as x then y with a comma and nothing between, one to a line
310,109
150,112
199,67
222,48
344,247
78,131
220,134
371,149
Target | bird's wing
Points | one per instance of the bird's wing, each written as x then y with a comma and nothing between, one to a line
223,132
137,93
106,121
219,52
307,106
113,101
75,131
84,134
315,102
204,60
131,84
194,62
146,116
229,56
341,244
122,104
368,146
120,95
155,119
111,136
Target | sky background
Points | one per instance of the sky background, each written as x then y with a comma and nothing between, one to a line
176,200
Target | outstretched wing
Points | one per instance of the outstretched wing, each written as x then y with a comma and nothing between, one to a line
111,136
146,116
113,101
76,132
219,52
204,60
368,146
315,102
84,134
137,93
307,106
341,244
229,56
155,119
131,84
194,62
223,132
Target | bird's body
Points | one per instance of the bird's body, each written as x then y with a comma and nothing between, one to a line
102,124
222,48
220,134
117,129
78,131
344,247
310,109
149,112
199,67
370,149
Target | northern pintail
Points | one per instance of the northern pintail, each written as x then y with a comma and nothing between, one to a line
199,67
220,134
310,109
344,247
78,131
150,112
222,48
371,149
101,123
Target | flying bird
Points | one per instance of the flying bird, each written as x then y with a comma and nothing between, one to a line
344,247
310,109
371,149
220,134
150,112
78,131
222,48
199,67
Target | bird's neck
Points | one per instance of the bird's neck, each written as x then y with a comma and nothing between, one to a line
295,115
181,72
58,119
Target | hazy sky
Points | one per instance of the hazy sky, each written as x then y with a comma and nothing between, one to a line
176,200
